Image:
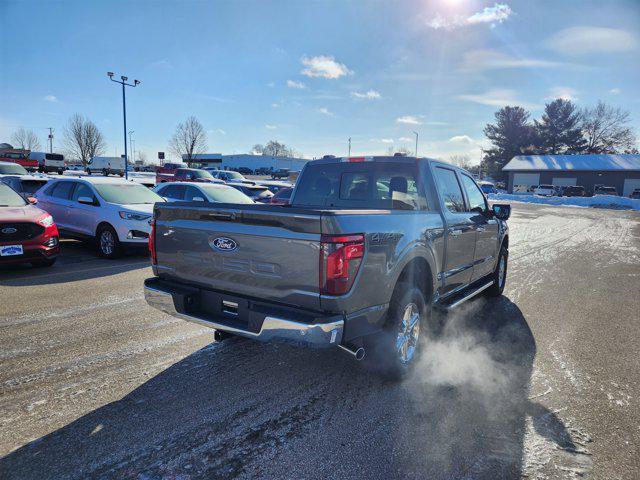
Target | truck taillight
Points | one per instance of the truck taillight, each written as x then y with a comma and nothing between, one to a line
152,242
340,258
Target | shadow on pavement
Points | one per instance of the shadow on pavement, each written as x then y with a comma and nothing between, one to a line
252,410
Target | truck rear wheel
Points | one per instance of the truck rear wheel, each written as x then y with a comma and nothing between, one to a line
396,349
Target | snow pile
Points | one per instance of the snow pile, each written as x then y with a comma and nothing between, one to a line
598,201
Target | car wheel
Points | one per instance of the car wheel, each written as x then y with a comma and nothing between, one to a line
105,172
499,274
108,243
45,262
60,172
88,171
394,351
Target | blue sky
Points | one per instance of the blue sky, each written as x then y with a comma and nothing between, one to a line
312,74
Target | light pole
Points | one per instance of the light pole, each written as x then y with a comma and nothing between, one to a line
416,134
349,147
123,82
133,155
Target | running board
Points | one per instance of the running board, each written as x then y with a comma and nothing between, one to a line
463,297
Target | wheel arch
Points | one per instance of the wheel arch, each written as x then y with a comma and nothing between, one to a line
418,271
104,223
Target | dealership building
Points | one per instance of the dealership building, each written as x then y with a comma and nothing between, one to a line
619,171
225,162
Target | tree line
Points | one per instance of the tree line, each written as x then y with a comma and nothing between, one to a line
563,128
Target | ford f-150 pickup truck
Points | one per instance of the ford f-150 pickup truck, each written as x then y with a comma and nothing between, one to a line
358,259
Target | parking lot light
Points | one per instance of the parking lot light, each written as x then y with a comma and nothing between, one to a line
123,81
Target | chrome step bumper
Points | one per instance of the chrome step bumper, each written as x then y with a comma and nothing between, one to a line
273,328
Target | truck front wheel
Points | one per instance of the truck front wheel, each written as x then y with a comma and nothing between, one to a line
499,274
396,349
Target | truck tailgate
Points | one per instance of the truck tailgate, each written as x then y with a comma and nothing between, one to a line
260,251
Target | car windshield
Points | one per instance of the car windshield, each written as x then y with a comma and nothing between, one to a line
235,175
12,169
225,194
202,174
127,194
9,198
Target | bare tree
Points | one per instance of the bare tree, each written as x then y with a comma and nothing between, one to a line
606,129
403,150
274,148
142,156
83,139
462,161
26,139
188,140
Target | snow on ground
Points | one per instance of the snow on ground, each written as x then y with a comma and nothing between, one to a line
597,201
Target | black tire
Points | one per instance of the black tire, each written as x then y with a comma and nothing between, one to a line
107,241
60,172
499,281
386,353
88,171
105,172
45,262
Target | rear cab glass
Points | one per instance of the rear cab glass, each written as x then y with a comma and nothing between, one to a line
361,185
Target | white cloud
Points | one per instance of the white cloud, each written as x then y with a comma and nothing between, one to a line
275,105
587,40
221,131
270,127
405,139
497,98
325,111
461,139
408,120
565,93
491,15
324,66
51,98
615,91
386,140
294,84
368,95
493,60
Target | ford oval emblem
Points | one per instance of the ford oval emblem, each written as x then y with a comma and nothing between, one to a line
224,244
9,230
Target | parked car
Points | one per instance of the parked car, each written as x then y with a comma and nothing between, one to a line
48,162
604,190
230,176
201,192
282,197
10,168
27,233
574,191
25,185
114,212
106,166
194,175
545,190
280,173
245,171
259,193
263,171
75,168
365,251
487,187
635,193
274,186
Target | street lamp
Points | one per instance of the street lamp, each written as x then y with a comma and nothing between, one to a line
416,134
123,82
133,154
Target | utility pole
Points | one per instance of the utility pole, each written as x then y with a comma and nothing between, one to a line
50,140
131,145
123,82
416,134
349,147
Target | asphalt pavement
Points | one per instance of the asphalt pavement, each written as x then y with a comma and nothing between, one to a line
540,383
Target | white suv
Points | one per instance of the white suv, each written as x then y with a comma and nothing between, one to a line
114,212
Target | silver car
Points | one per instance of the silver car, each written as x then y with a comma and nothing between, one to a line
114,212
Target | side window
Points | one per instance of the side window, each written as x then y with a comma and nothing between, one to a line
450,190
83,190
192,192
62,190
173,191
474,195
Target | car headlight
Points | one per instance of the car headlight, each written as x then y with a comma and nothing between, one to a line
134,216
45,220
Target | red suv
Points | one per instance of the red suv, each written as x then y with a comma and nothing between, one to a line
27,234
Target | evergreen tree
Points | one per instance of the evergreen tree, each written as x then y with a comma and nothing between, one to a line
559,131
512,134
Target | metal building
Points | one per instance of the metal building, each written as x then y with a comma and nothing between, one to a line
619,171
251,161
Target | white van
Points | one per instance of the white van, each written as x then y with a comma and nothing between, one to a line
48,162
106,166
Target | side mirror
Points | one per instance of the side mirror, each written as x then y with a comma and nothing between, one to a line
32,200
198,199
86,200
501,210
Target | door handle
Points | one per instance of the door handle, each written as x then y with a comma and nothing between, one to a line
455,232
220,216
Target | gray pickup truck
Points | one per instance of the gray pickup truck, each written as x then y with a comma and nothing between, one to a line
365,250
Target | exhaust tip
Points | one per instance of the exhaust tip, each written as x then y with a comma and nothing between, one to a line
359,354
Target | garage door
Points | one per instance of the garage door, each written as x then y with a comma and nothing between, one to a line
563,182
630,184
527,179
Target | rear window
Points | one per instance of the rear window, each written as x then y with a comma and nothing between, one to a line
360,185
30,186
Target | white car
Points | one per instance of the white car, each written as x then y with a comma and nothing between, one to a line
115,212
545,190
201,192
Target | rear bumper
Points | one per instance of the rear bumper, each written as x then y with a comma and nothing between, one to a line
269,327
